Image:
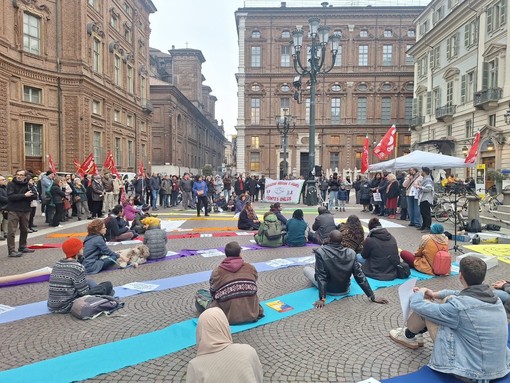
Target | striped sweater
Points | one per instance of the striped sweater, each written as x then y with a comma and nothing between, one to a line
67,282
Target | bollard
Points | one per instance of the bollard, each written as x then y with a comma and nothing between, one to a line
506,197
473,207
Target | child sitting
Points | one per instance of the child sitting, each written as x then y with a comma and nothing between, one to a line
155,238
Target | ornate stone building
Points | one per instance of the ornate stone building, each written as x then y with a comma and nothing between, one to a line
369,88
74,80
185,133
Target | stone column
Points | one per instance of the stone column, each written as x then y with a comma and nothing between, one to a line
473,207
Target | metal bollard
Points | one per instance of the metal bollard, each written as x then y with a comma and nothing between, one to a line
473,207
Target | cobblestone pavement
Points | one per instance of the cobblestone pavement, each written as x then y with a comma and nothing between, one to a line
347,341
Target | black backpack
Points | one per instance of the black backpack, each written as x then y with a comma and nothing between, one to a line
474,226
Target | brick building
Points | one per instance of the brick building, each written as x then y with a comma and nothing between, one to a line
74,80
369,88
185,133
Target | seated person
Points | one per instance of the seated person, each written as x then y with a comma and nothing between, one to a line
97,255
239,204
154,238
116,226
323,225
231,202
221,203
248,220
377,248
352,234
469,328
270,232
216,348
296,230
276,209
430,244
334,266
137,224
233,288
68,280
130,209
502,290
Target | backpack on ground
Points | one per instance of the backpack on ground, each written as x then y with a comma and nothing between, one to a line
474,226
492,227
403,270
442,263
92,306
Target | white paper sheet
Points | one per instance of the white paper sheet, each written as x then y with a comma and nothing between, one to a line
5,308
211,253
405,291
140,286
279,262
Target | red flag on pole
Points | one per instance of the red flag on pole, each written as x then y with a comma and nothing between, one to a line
141,170
109,164
473,152
51,164
364,156
76,165
387,144
85,166
93,168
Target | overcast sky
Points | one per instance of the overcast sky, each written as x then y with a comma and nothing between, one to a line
209,25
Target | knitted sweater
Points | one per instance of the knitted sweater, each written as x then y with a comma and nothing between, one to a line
156,240
67,282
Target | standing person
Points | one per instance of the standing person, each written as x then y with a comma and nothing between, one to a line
118,187
383,185
218,358
58,195
80,199
402,200
96,197
107,181
374,184
139,187
227,186
356,185
323,187
166,190
200,191
155,185
187,195
175,191
218,187
46,182
411,183
343,197
392,192
239,186
348,186
262,187
3,208
469,327
426,199
32,186
19,197
334,266
334,185
296,230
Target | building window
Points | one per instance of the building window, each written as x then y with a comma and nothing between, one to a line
358,159
118,152
334,160
31,94
408,109
469,128
129,120
338,58
31,34
335,110
467,87
33,140
114,21
336,88
449,129
490,74
449,93
255,57
435,57
117,71
363,55
94,4
255,142
285,56
307,111
128,9
143,90
116,115
492,120
387,55
452,46
143,127
424,27
255,111
97,148
255,35
388,33
471,33
362,110
286,35
144,154
130,80
97,50
409,58
284,106
496,15
127,34
411,33
363,33
386,110
96,107
130,154
255,162
437,15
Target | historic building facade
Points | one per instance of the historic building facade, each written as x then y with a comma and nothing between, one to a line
185,133
461,80
369,88
74,80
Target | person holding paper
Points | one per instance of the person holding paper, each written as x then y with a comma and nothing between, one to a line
334,266
469,327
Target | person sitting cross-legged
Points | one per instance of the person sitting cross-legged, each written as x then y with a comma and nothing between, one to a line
469,327
296,230
270,233
334,266
323,225
116,227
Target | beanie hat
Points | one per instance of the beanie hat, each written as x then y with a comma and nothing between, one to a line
71,247
151,221
437,228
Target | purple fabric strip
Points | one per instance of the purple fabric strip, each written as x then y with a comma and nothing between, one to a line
40,278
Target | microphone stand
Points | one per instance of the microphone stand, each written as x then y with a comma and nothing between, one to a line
455,247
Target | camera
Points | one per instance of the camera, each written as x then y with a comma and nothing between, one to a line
297,82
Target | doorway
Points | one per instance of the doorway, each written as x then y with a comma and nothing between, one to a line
303,165
490,165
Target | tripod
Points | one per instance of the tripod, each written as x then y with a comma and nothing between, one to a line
455,247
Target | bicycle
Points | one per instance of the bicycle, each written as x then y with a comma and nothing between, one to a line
491,200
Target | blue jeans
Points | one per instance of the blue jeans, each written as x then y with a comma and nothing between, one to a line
503,295
360,259
333,197
155,196
414,211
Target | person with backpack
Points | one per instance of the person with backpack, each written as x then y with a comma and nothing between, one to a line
432,256
276,209
270,232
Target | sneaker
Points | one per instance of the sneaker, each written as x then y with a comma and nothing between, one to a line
15,254
25,250
398,335
60,226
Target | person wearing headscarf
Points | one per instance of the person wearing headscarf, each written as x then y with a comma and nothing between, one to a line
218,358
430,244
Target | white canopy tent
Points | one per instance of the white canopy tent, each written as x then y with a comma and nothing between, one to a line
419,159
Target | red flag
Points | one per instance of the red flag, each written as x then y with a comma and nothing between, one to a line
364,156
141,170
76,166
85,167
473,152
387,144
93,168
109,164
51,164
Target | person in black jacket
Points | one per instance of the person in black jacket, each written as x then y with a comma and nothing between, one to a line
334,265
116,226
380,253
3,208
57,200
18,205
323,225
334,185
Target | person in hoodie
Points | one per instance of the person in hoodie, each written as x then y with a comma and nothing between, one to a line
233,288
378,250
469,327
334,266
276,209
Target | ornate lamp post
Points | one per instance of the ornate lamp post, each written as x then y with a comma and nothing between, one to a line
283,125
319,35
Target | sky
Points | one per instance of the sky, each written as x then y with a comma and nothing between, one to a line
209,25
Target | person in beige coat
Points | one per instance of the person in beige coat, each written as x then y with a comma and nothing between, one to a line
218,358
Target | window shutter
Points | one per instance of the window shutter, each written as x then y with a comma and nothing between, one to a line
496,69
502,13
429,102
490,18
431,58
467,32
448,48
485,76
457,43
463,89
415,108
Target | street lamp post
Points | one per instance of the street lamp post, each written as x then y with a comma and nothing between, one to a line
283,125
319,39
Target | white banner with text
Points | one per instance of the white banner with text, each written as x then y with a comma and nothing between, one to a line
283,191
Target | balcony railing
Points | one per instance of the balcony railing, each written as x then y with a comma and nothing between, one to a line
416,121
487,99
446,112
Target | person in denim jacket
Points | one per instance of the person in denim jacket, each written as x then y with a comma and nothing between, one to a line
469,327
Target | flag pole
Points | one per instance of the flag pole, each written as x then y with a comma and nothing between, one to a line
396,144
